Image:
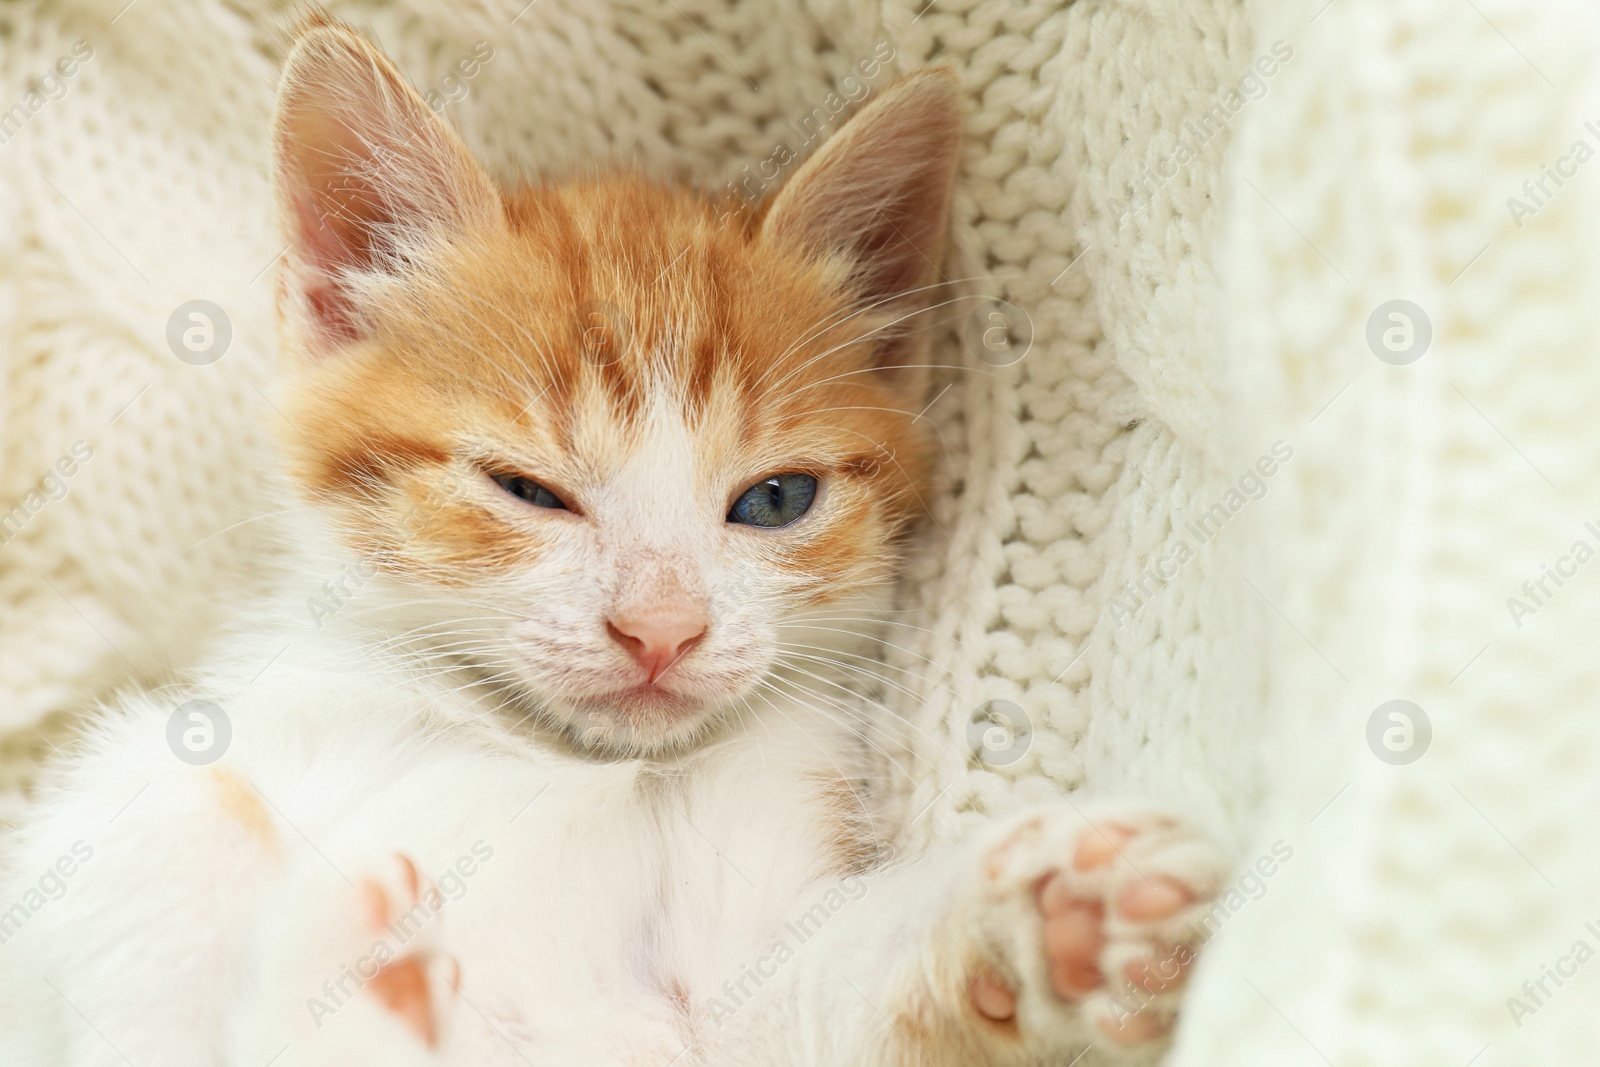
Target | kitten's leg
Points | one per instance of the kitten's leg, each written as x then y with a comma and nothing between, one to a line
1049,933
348,968
354,959
149,947
153,868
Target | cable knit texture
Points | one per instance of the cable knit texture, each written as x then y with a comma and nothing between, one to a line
1425,900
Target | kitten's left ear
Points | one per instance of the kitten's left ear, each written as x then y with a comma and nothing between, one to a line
367,176
878,194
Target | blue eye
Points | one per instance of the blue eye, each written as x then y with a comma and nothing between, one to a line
775,501
529,490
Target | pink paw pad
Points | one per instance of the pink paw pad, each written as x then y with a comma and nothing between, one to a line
1073,900
404,985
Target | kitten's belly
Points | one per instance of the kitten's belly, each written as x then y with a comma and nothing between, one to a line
616,910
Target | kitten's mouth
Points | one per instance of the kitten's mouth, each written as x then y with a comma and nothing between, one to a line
644,702
639,719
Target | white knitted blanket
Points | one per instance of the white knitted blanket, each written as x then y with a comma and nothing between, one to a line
1442,910
1176,482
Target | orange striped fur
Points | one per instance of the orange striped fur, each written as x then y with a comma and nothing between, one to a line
441,331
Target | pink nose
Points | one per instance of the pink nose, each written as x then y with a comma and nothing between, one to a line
657,642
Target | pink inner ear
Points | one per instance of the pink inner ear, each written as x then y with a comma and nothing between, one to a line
326,253
364,164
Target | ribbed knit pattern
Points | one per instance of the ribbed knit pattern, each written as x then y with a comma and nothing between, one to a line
1421,897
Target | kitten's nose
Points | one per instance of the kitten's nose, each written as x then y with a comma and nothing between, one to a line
656,642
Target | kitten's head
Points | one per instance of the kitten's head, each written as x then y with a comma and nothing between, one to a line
601,442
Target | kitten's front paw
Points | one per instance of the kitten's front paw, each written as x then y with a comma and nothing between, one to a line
1097,921
352,962
398,904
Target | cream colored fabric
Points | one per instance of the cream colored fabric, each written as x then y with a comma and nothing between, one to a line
1422,897
1067,473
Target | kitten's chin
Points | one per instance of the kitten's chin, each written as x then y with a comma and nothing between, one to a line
642,721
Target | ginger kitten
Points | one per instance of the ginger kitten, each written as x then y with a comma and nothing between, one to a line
572,770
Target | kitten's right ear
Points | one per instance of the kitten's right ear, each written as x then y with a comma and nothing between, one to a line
877,195
367,176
